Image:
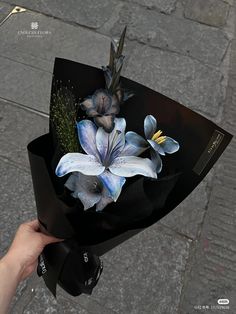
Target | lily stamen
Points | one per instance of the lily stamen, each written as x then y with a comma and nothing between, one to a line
156,135
158,138
161,139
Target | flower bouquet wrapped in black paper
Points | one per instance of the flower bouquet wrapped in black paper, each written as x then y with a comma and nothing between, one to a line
119,156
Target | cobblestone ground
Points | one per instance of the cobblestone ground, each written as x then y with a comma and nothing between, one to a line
185,49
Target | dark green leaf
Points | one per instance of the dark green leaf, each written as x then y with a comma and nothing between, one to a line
121,43
115,81
112,55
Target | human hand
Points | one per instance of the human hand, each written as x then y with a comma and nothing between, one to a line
27,245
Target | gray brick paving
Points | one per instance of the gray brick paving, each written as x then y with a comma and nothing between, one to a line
93,15
64,40
27,63
164,6
188,258
145,273
5,9
230,2
42,303
211,12
187,218
25,85
37,299
212,272
179,77
17,128
199,41
17,201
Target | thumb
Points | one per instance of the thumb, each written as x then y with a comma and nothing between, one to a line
50,239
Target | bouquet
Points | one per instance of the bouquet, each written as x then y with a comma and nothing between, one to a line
118,157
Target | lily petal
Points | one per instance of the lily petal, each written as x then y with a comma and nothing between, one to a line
112,183
132,150
92,113
87,104
129,166
104,200
71,183
107,122
119,94
135,144
83,188
111,144
102,101
156,159
158,148
102,143
135,139
86,164
115,100
170,146
87,199
117,145
120,124
150,126
117,138
87,136
115,107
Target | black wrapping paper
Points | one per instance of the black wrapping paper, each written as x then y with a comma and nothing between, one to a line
142,201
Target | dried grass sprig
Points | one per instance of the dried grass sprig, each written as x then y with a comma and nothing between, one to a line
63,117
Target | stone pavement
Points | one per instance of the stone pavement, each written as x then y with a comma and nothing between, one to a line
185,49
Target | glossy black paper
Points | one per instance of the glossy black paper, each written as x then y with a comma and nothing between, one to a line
142,201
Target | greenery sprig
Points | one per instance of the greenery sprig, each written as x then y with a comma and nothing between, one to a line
63,117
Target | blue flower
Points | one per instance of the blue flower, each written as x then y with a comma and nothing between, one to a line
103,107
90,190
107,156
159,144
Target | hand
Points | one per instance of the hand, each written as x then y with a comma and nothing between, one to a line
27,245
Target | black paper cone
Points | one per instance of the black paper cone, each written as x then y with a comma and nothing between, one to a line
142,201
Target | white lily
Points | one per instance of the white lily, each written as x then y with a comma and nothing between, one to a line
107,156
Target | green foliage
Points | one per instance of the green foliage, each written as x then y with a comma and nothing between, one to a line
115,64
63,117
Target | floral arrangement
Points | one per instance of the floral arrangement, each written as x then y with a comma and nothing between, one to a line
101,154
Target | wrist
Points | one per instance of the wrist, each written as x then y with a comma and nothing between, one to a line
10,277
11,267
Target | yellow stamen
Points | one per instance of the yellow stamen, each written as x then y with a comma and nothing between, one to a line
156,135
161,139
158,138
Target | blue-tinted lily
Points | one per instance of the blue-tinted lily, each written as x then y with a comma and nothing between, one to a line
103,107
159,143
90,190
107,156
